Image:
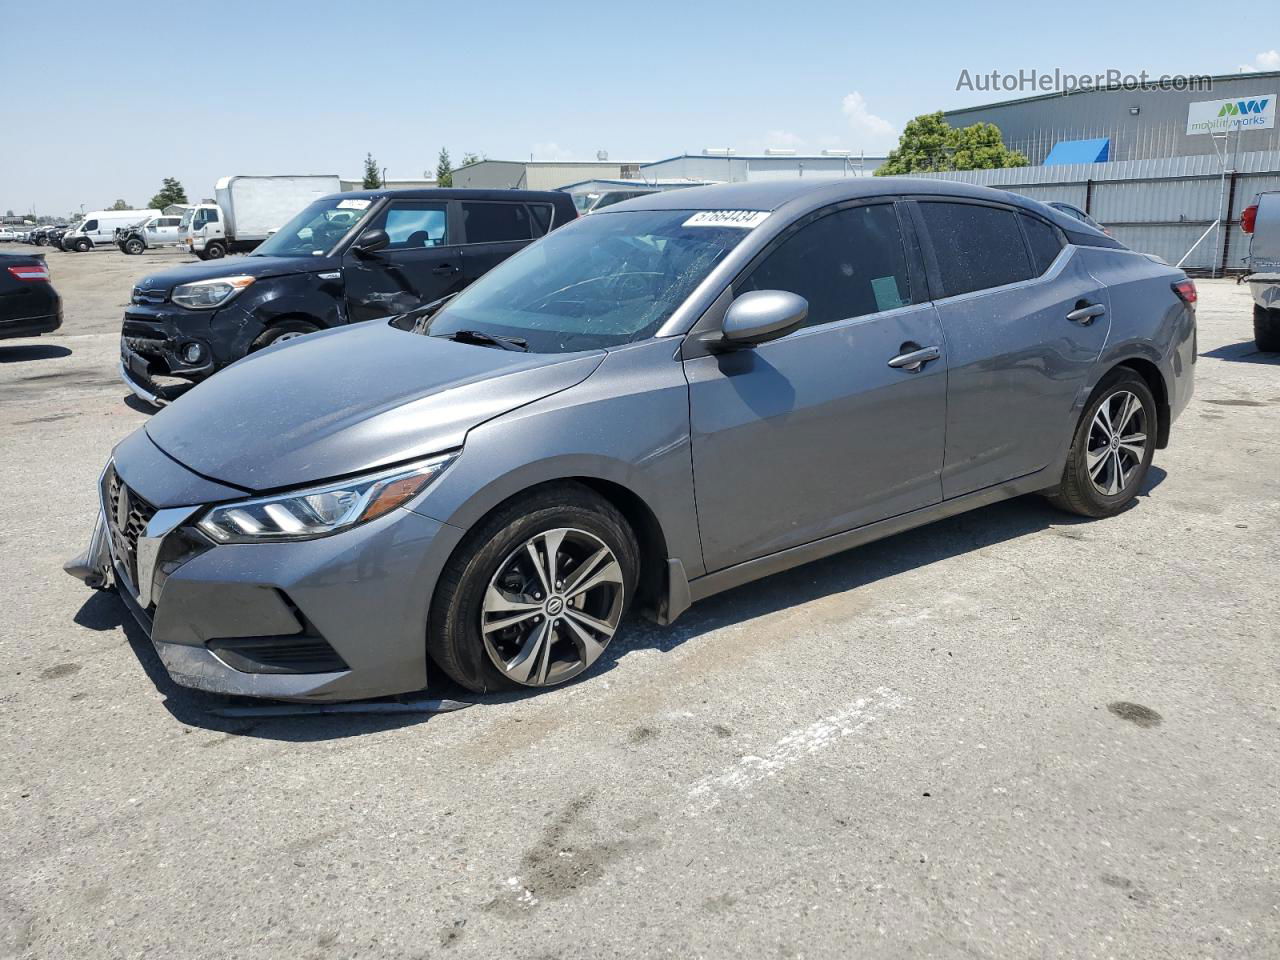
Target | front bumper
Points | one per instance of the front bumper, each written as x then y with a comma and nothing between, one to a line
337,618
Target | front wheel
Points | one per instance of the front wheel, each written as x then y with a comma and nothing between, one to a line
535,593
83,245
215,251
1266,329
1112,448
281,332
133,246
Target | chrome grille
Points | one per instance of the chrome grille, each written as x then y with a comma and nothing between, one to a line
127,518
148,296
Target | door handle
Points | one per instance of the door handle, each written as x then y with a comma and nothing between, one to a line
444,268
914,357
1085,313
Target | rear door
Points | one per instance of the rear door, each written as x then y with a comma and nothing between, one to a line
815,433
493,230
422,263
1006,289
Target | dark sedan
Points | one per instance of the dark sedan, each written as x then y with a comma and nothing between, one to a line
29,305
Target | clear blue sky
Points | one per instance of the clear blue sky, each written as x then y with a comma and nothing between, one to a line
107,98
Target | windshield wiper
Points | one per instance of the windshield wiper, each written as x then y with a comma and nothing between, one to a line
486,339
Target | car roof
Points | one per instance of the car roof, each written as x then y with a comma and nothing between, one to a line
453,193
799,196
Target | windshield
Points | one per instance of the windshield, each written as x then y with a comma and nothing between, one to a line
186,218
598,282
316,230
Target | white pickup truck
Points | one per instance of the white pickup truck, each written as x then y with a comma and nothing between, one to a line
1261,220
161,231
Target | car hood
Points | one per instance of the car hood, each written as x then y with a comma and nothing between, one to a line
239,266
349,400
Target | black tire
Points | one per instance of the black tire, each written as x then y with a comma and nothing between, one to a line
454,641
284,330
1266,329
133,246
1077,492
83,245
214,251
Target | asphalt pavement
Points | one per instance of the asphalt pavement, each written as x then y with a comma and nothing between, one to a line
1009,734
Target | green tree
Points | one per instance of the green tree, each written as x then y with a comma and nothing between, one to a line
171,191
372,175
929,144
120,205
444,169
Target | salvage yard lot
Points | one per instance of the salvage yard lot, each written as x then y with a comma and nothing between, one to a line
1012,733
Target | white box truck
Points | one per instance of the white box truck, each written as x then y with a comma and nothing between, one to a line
248,210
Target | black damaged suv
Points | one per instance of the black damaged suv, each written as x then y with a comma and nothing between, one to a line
345,258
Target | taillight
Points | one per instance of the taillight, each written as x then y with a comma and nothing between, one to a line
1186,291
31,272
1249,218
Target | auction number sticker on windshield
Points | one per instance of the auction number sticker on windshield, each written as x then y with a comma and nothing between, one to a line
742,219
356,204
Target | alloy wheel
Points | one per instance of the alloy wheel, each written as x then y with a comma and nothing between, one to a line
1117,443
552,607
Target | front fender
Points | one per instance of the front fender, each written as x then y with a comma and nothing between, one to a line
627,424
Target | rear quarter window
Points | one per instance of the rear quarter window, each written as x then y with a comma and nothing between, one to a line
1045,241
976,247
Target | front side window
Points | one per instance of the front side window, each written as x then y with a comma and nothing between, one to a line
599,281
846,264
976,247
91,226
491,222
413,224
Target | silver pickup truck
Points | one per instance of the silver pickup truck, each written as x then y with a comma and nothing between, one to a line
159,231
1261,220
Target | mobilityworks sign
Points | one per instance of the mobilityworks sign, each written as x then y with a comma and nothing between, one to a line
1219,116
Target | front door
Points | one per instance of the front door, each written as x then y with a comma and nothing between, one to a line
1025,323
420,264
815,433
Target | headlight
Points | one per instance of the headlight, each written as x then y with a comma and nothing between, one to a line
206,294
323,510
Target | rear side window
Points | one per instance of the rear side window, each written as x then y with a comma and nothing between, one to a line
976,247
494,222
1046,243
541,218
847,264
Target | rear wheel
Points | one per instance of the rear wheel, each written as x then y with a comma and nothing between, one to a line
535,593
1266,329
282,331
1112,447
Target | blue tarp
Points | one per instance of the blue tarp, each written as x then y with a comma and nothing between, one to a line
1078,151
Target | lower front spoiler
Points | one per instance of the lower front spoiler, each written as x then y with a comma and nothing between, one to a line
153,394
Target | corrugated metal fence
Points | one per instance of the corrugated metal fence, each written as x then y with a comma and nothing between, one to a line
1158,206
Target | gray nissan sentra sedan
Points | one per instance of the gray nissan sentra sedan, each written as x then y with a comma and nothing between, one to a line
666,399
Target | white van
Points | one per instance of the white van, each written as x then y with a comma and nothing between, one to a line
98,228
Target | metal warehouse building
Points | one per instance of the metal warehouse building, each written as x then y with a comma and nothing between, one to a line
1137,124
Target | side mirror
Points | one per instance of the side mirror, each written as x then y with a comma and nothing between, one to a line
758,317
371,241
